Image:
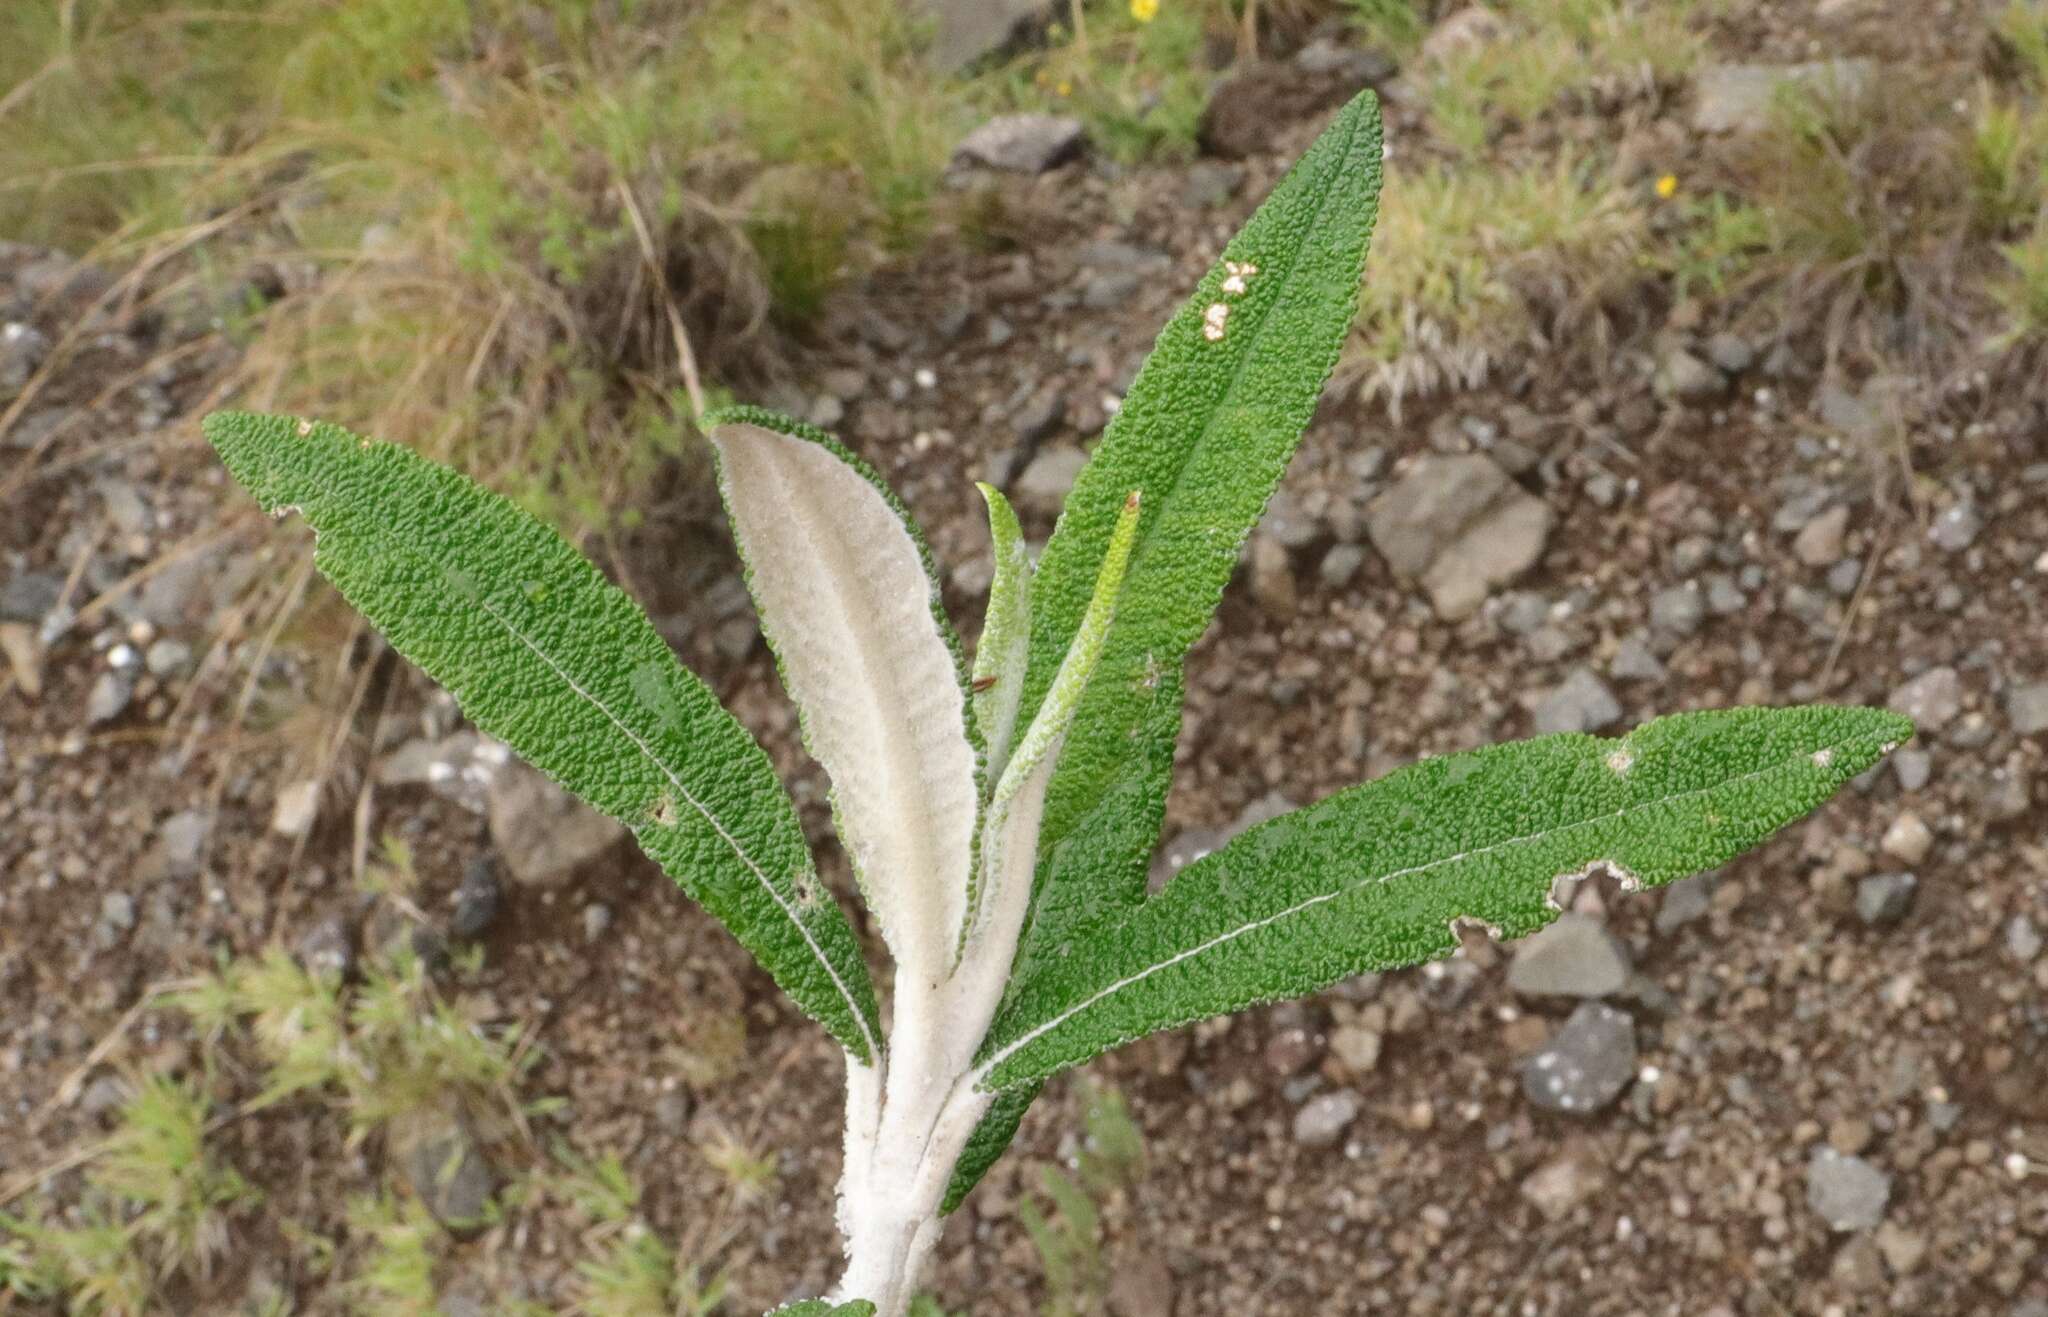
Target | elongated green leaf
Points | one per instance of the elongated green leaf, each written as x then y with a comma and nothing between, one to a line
1018,804
1205,431
850,603
1379,876
826,1308
547,656
987,1143
1004,650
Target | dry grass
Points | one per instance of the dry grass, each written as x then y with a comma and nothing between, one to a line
1467,263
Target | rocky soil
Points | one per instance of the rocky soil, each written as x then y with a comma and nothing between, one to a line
1815,1082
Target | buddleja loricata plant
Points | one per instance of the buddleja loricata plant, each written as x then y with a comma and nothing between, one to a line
1000,815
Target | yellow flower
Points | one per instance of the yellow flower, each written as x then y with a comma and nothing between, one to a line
1667,186
1144,10
1065,88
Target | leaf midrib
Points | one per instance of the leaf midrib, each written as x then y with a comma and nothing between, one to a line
647,752
1010,1049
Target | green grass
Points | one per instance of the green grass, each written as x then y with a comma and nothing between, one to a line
1553,52
1395,26
2021,290
1139,87
452,187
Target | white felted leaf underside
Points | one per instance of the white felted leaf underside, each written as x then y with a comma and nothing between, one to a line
847,605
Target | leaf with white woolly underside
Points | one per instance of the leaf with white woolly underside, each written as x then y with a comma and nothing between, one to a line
546,655
1378,876
850,604
1009,847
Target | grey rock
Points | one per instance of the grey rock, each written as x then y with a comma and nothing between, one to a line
1340,565
734,638
183,836
2022,939
597,921
117,911
445,1166
1684,901
1324,58
1737,98
965,31
1731,352
1044,485
544,835
1523,612
1285,521
1912,767
1141,1285
1586,1066
1724,597
1957,527
1685,377
1844,577
106,1094
1932,699
2026,708
1972,731
1210,183
1633,661
477,900
1846,1192
1819,542
1111,289
1323,1119
168,658
22,348
1573,957
1022,143
999,331
1678,610
1883,899
1579,703
1460,527
109,696
29,596
1040,416
1548,644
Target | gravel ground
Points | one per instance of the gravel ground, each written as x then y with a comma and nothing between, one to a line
1812,1083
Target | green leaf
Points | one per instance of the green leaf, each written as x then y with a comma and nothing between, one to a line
1004,650
1205,432
998,1126
1379,876
850,603
1017,806
547,656
825,1308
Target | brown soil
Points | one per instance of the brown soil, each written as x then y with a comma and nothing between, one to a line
1778,1021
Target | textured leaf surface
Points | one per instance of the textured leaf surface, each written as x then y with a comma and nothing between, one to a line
1205,432
549,657
825,1308
985,1146
849,601
1376,877
1004,650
